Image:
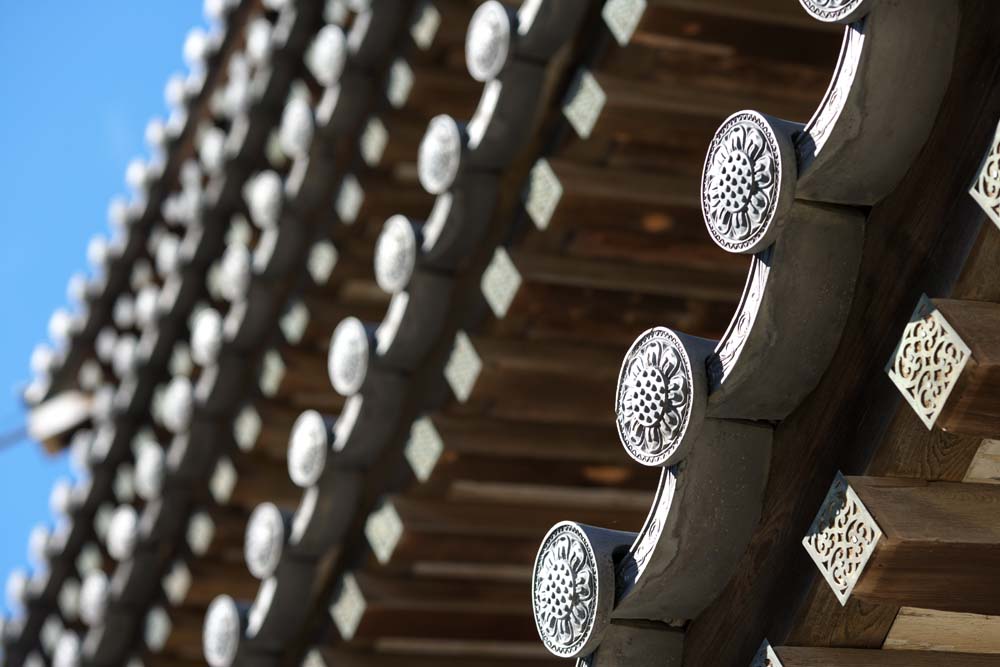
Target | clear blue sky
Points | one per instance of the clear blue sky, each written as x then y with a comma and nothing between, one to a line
79,82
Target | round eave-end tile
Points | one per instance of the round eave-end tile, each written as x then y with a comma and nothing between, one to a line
748,183
178,404
265,198
571,597
297,127
657,394
440,155
328,55
206,337
395,254
150,470
221,632
123,532
93,598
237,269
307,449
487,42
67,651
837,11
347,363
265,537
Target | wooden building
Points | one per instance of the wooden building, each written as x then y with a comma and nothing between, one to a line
494,334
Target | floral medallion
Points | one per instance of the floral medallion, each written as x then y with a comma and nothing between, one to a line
395,254
565,591
744,186
221,632
654,397
347,361
440,155
264,539
307,448
487,43
837,11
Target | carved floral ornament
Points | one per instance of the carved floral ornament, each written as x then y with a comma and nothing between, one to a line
571,598
656,397
307,448
264,539
221,632
487,44
748,182
395,254
440,155
837,11
347,361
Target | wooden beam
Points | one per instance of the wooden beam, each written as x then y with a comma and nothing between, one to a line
503,438
763,11
502,383
930,630
910,542
706,283
947,365
469,655
441,536
528,292
366,609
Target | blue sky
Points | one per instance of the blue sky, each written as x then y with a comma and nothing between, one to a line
80,81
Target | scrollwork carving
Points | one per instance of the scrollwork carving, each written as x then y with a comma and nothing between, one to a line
986,188
928,361
842,538
766,657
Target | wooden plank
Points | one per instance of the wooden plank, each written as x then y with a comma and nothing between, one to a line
631,99
344,657
502,438
910,450
930,630
827,657
602,316
985,466
701,283
763,11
